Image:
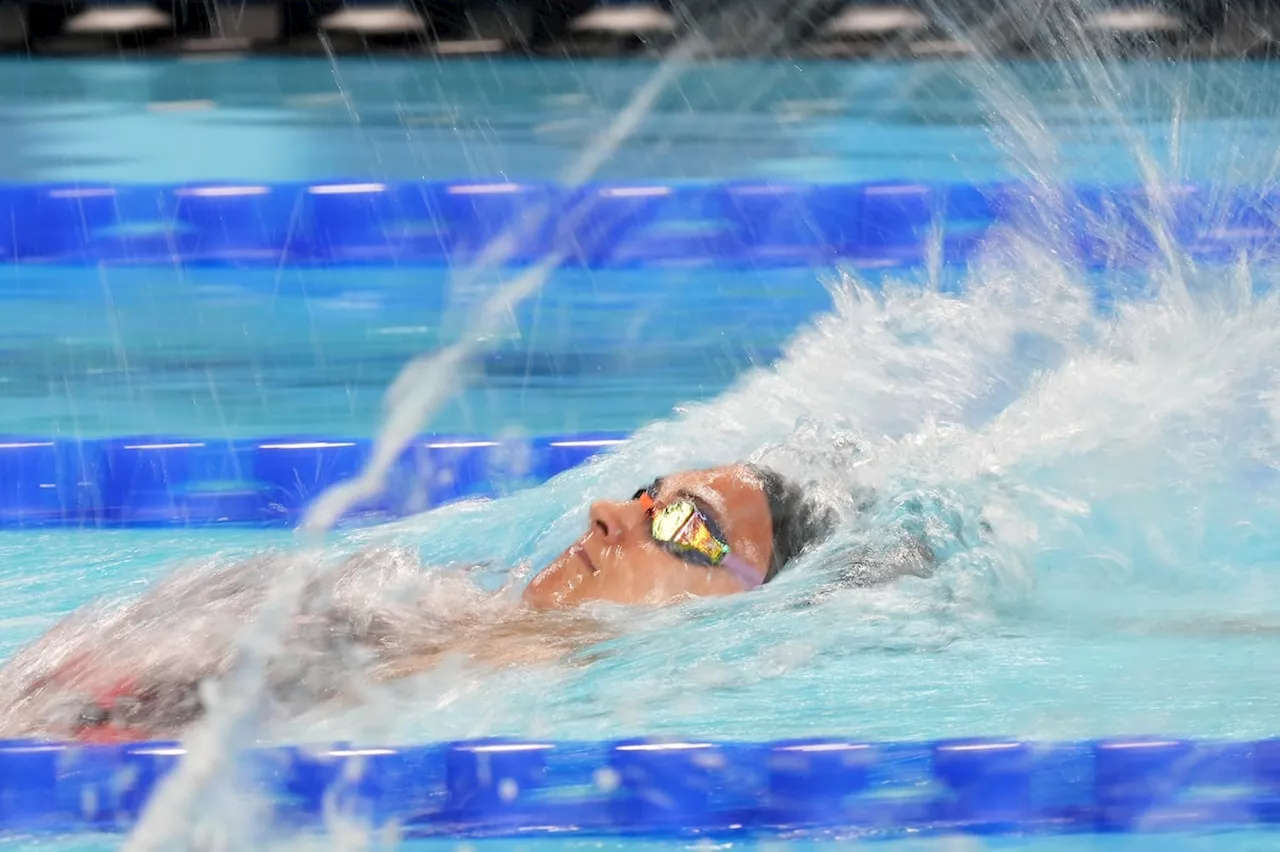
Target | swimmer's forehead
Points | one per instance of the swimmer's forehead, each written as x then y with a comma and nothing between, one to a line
735,477
733,492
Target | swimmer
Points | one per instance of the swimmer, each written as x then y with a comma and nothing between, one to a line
693,534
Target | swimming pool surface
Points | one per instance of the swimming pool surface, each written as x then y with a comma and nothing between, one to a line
384,119
251,352
1128,463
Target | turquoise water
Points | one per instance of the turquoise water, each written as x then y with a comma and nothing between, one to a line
251,352
1127,463
386,119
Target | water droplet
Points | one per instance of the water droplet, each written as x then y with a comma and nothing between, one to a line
607,780
89,802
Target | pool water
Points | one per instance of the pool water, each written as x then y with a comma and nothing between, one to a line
387,119
219,352
1126,461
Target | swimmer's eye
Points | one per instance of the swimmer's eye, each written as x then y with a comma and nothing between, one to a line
710,518
651,490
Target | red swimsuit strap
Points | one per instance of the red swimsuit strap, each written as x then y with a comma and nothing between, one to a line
103,697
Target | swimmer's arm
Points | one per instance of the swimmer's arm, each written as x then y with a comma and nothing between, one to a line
906,555
527,638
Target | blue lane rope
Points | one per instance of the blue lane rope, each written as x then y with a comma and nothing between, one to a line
758,224
175,481
501,787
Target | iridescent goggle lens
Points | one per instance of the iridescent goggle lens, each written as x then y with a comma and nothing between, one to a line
683,529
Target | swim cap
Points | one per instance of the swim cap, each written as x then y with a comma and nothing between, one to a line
798,520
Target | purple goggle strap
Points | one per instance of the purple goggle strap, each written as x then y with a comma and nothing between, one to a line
740,568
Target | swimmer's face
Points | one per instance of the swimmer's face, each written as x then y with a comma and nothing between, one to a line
617,560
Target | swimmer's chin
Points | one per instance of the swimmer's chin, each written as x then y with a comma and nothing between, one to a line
558,585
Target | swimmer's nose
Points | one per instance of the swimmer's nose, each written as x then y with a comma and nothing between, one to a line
611,521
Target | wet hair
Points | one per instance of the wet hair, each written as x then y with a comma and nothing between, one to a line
798,520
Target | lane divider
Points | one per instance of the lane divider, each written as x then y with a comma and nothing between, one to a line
733,224
661,787
183,481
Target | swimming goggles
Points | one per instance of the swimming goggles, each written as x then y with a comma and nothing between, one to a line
684,531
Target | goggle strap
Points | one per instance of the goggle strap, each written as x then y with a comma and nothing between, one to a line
740,568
